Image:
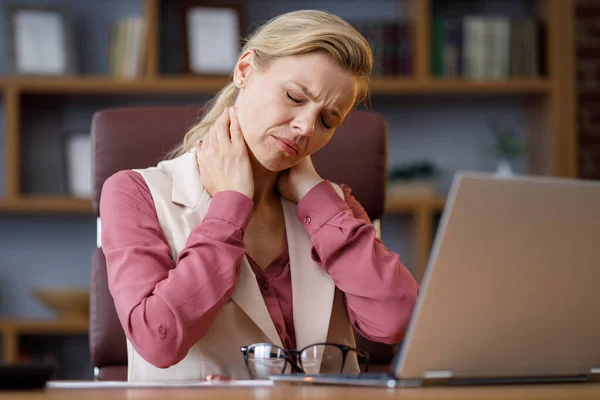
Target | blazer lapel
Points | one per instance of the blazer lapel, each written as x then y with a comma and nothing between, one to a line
312,287
248,297
187,185
189,192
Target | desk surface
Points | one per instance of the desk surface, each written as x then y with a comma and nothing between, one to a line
511,392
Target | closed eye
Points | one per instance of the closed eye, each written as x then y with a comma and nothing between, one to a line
295,100
298,101
324,124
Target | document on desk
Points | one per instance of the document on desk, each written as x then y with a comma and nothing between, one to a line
167,384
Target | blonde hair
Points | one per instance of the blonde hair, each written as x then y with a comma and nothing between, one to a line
289,34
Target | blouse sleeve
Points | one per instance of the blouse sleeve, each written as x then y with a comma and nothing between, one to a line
166,305
380,292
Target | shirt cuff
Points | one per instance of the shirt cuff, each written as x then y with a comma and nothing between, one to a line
318,206
231,206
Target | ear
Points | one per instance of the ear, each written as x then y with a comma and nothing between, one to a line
244,67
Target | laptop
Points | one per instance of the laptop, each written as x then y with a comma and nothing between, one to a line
511,293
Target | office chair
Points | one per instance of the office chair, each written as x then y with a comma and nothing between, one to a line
139,137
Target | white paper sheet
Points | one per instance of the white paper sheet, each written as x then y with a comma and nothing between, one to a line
126,385
40,42
213,36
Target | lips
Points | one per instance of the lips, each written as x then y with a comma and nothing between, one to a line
289,145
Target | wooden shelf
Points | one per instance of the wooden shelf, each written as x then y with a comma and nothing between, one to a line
47,204
100,84
45,327
211,84
433,86
412,204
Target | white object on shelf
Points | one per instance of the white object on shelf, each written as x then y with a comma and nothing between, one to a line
504,169
213,36
40,43
79,165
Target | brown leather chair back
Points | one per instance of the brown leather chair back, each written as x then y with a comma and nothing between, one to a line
139,137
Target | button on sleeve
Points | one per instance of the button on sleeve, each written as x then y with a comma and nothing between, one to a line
318,206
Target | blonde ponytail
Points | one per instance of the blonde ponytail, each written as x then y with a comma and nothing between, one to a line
225,97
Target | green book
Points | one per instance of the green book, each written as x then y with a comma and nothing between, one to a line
437,47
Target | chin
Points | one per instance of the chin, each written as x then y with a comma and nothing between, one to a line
275,164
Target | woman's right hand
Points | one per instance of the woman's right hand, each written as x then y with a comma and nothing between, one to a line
222,157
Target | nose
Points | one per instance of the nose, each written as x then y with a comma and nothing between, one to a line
304,123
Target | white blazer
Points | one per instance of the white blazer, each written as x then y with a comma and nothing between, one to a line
319,308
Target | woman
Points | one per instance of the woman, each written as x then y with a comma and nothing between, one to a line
236,239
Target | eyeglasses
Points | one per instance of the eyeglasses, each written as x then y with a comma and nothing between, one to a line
263,359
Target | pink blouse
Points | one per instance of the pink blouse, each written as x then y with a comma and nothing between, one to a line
175,302
275,283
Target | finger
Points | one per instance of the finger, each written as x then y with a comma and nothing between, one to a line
210,137
222,131
234,127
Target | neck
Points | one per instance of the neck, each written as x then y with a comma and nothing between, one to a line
264,184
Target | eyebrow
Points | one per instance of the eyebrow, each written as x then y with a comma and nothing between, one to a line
313,97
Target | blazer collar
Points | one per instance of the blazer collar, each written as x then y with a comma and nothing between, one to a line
187,185
188,191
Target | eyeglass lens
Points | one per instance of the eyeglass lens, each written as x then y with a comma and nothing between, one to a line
265,360
321,358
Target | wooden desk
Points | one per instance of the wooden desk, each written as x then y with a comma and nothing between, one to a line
512,392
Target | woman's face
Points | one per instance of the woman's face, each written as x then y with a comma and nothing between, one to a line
290,108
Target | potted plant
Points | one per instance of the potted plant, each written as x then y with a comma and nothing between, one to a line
508,147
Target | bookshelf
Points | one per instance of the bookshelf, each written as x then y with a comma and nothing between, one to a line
379,86
549,102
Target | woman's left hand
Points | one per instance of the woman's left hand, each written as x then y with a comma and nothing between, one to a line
294,183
